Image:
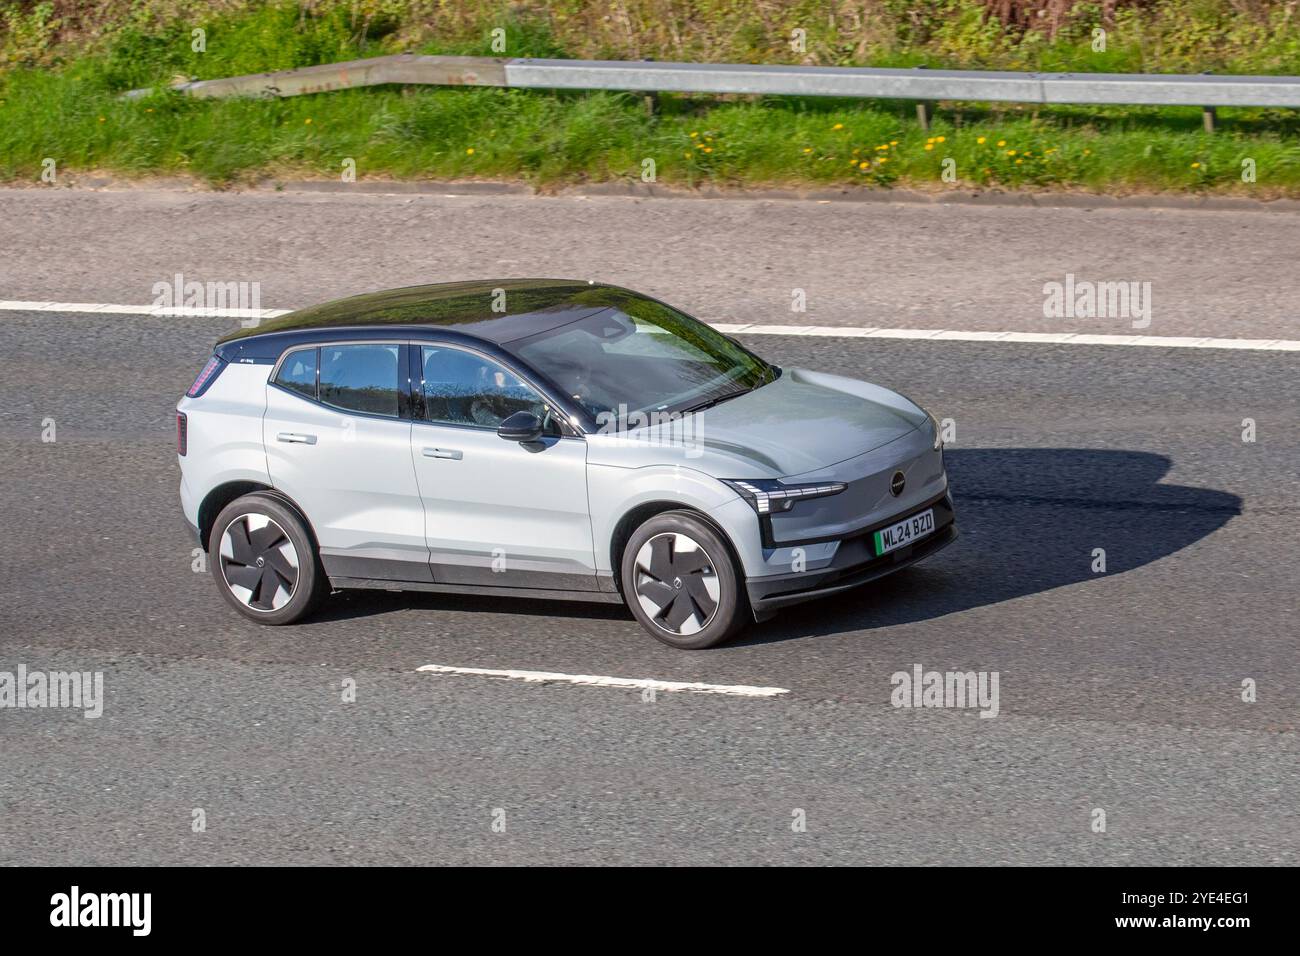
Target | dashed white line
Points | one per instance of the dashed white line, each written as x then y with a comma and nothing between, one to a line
815,331
635,683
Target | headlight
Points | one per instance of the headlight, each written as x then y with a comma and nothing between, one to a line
769,496
938,434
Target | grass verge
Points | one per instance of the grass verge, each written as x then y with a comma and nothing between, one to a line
66,114
571,138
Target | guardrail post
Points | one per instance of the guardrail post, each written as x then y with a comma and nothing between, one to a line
651,99
1207,117
923,114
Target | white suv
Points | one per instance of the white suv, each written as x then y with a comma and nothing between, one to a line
548,439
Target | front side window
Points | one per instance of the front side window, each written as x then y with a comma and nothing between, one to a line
298,373
463,388
360,378
639,357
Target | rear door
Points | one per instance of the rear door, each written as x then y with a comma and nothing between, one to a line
337,431
497,513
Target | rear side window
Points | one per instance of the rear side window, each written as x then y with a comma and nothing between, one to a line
298,373
360,378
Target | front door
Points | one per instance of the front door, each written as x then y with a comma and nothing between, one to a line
497,513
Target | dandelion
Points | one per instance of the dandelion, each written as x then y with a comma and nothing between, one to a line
938,139
893,142
1002,142
470,151
929,145
693,135
101,119
980,140
882,159
864,165
807,149
1011,152
1087,152
307,121
838,126
149,110
1019,161
708,149
1196,165
881,148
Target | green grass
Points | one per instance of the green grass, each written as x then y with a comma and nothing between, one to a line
69,110
1226,36
552,139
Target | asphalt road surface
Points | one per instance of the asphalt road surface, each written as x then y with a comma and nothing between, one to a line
1228,274
1119,691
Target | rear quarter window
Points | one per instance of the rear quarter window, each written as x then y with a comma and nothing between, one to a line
298,372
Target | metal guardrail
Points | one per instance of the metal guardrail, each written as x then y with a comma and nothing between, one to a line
1139,89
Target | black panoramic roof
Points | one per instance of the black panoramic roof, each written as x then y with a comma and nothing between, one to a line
521,307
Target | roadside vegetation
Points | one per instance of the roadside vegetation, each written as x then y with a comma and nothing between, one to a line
63,66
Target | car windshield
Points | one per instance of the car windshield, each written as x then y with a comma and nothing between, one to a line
641,360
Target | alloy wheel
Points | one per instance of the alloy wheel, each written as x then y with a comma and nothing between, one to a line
676,583
258,562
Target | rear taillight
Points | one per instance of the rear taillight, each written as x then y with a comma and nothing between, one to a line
182,434
206,377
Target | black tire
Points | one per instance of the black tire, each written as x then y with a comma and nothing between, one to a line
271,572
688,597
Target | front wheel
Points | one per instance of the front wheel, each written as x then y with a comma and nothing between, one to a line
680,583
264,560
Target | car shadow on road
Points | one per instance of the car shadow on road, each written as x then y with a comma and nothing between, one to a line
1030,519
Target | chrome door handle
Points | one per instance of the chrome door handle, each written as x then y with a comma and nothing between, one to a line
452,453
297,437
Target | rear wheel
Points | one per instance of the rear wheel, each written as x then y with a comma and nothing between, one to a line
680,583
264,561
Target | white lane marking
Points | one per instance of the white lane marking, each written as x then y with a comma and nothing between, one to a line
9,305
816,331
1043,338
546,677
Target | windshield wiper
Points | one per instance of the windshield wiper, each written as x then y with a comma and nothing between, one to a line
710,402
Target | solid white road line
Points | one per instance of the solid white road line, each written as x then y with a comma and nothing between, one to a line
1044,338
545,677
816,331
7,305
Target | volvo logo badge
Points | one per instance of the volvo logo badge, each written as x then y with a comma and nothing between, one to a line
897,483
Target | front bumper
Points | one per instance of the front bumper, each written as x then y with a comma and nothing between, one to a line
854,563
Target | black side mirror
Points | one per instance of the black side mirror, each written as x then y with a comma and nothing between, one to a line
522,427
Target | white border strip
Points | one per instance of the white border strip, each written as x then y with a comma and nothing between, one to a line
8,305
1041,338
545,677
815,331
